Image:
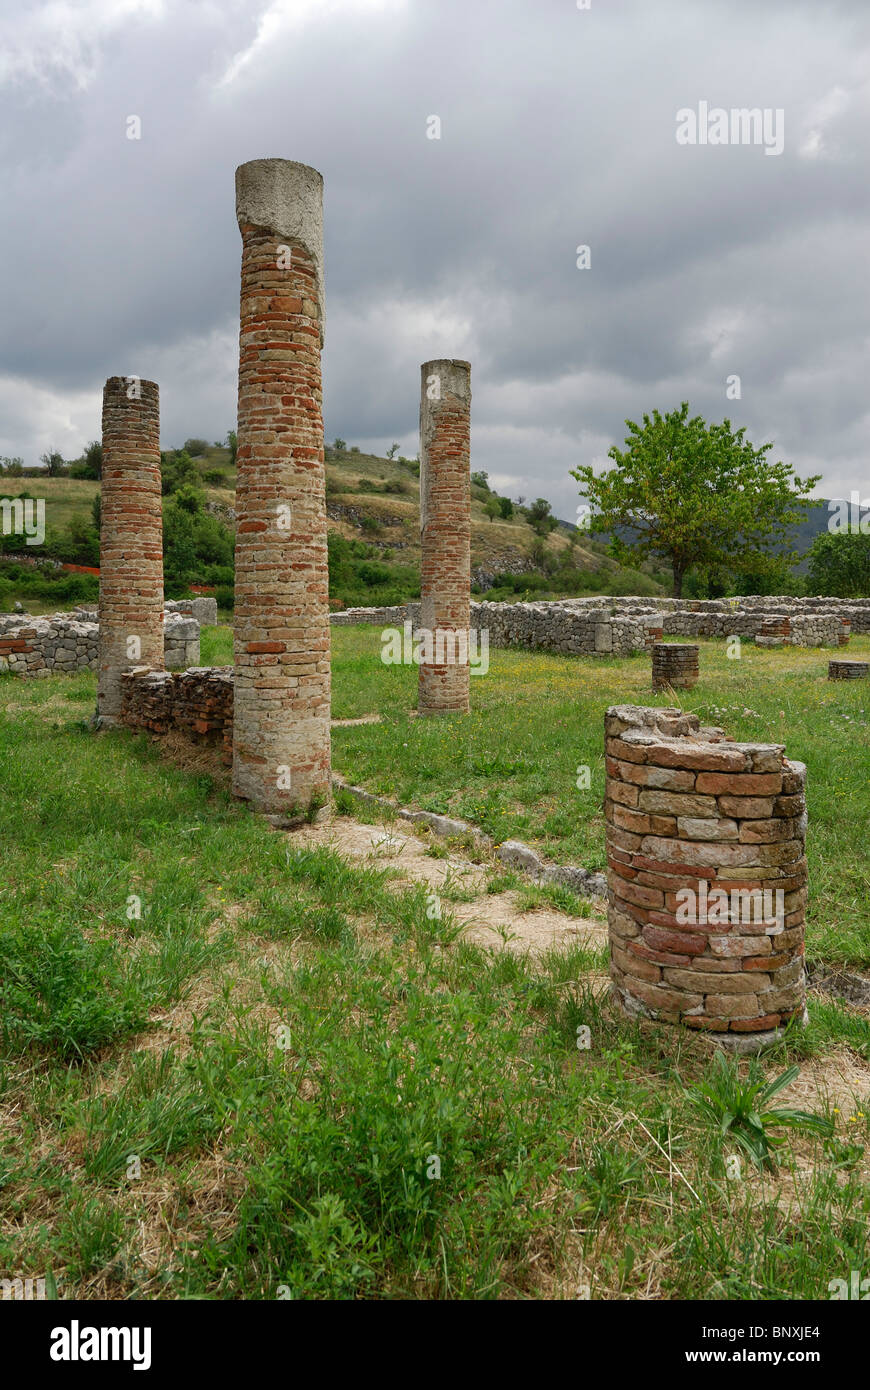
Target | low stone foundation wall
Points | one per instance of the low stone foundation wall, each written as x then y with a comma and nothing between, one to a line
539,626
623,626
41,646
197,703
707,875
31,646
204,608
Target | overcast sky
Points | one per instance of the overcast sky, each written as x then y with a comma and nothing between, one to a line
558,129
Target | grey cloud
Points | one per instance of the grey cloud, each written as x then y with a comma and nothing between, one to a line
558,128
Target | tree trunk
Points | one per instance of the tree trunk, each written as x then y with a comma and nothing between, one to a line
679,571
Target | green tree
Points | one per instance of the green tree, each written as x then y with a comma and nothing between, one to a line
392,451
92,460
233,446
506,507
177,469
540,516
492,508
694,493
54,463
480,480
195,447
839,565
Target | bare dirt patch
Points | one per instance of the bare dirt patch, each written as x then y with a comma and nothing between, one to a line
489,918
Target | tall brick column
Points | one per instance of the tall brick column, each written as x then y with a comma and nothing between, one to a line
131,538
445,535
281,730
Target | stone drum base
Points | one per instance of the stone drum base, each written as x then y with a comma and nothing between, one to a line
707,877
848,670
674,664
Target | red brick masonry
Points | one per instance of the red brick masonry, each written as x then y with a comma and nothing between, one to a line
131,537
281,754
198,703
688,809
445,528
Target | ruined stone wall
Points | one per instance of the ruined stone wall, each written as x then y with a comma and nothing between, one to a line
539,626
197,703
64,642
699,829
603,626
204,608
740,617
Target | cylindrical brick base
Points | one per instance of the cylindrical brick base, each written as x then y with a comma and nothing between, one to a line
445,536
674,664
848,670
131,538
281,727
707,876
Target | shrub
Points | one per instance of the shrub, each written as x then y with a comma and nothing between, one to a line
195,447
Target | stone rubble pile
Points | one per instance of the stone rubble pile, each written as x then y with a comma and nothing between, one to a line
197,703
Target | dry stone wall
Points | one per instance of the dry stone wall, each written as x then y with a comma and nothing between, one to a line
204,608
602,626
44,646
539,626
707,875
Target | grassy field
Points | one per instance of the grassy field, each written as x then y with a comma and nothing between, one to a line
511,766
237,1065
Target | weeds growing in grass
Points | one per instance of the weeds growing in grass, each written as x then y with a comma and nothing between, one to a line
739,1109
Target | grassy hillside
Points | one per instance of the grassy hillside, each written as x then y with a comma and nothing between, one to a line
373,505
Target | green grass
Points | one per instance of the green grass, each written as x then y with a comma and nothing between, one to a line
510,766
277,1077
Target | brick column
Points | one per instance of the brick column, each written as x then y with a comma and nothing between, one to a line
674,664
445,535
281,729
707,876
131,538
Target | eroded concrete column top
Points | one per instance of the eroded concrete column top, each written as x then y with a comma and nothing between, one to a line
286,197
454,378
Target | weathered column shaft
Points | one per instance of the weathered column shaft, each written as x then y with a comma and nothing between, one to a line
445,535
131,537
281,728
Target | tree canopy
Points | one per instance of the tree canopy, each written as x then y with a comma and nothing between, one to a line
694,494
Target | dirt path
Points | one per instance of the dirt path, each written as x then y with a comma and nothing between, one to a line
490,918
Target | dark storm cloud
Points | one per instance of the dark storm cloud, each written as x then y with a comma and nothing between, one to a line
558,128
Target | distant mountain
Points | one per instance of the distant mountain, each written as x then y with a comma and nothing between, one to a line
802,535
